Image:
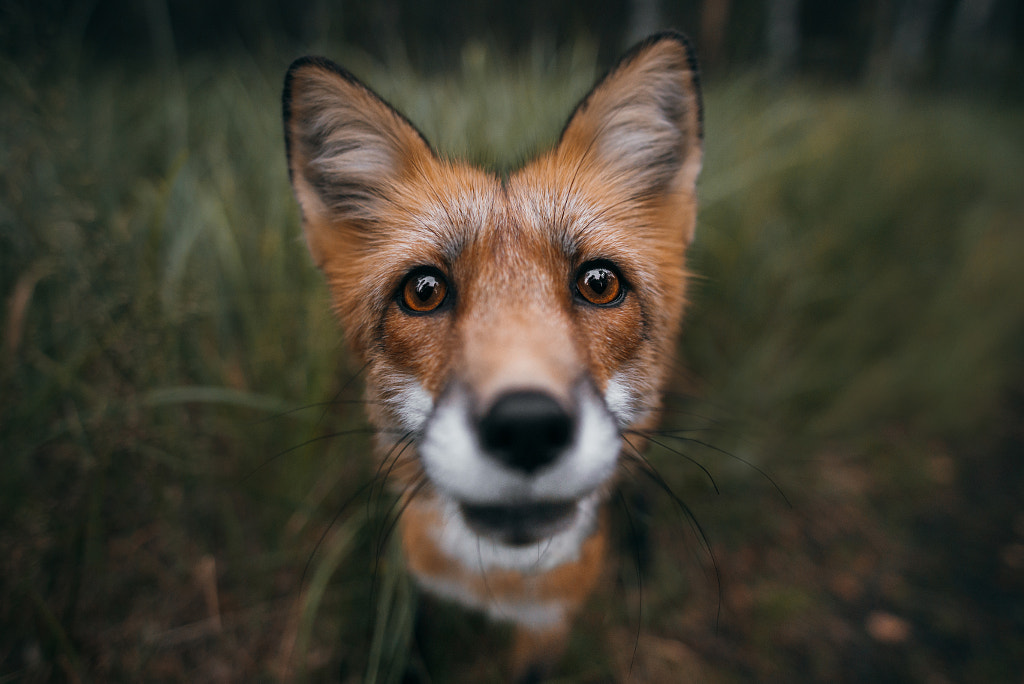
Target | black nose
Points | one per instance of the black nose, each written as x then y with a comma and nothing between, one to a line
526,430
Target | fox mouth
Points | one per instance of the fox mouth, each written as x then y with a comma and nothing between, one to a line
519,524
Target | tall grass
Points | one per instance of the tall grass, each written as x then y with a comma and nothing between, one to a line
870,237
168,349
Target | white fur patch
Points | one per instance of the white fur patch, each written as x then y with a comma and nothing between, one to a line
458,541
408,401
624,400
460,469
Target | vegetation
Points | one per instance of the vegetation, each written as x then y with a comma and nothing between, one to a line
184,455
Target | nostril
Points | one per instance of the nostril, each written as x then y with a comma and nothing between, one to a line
526,430
556,431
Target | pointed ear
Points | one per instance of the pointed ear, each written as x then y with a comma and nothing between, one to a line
643,123
347,149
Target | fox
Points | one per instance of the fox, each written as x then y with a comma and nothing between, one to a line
516,328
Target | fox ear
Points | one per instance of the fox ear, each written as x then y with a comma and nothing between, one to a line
643,122
347,148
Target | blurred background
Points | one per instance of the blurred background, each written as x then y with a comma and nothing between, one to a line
183,454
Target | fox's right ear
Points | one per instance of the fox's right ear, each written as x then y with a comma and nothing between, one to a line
347,148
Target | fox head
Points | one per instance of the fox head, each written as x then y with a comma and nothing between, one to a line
513,328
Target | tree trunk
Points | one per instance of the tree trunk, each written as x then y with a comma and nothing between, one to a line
783,37
714,18
644,19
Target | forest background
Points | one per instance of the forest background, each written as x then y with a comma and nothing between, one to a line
183,452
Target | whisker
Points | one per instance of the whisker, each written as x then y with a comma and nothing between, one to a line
394,514
312,440
341,389
323,535
685,431
673,409
483,572
689,458
652,473
318,404
543,551
383,539
389,460
671,360
672,434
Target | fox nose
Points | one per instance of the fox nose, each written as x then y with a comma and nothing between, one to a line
526,430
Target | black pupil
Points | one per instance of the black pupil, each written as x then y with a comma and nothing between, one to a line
425,287
598,279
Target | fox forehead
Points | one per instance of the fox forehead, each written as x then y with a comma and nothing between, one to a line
467,223
510,252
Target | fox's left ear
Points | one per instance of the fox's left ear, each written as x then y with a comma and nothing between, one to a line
643,123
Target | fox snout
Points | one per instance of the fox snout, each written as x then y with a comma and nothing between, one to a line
519,467
525,431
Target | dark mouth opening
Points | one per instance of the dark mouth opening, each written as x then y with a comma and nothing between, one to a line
519,524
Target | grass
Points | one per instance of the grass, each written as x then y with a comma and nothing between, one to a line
166,474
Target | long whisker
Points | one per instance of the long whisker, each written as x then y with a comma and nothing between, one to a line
483,572
672,362
673,409
689,458
387,464
317,404
344,387
673,434
323,535
312,440
394,514
652,473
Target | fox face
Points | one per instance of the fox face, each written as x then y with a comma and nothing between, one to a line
515,330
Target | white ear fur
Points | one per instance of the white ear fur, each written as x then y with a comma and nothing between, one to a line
346,149
643,121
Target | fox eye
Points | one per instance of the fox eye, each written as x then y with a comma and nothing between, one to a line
599,283
423,290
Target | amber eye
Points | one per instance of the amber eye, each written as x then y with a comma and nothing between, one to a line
599,283
424,290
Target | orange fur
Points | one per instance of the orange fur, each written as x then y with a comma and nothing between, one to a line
516,390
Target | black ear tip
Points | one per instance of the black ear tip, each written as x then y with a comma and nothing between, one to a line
317,62
668,35
294,68
300,62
